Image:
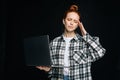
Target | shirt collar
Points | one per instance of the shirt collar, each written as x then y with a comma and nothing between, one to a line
75,38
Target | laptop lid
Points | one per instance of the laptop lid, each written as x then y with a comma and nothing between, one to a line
36,51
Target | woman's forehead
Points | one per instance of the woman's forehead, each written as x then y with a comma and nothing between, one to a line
73,15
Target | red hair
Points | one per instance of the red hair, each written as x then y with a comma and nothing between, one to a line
73,8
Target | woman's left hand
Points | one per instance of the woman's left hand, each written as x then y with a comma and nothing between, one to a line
82,29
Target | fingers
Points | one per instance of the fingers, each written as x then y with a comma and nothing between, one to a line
45,68
82,29
80,24
39,67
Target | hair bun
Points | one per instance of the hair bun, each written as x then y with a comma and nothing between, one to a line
74,7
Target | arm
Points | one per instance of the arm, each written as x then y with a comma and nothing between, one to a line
95,49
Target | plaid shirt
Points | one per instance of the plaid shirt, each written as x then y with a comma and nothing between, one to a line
82,52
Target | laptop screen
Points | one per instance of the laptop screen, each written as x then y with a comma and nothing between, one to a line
36,51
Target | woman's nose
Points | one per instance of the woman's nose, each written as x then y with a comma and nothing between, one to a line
71,22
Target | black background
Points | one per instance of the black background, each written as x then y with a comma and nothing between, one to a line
25,18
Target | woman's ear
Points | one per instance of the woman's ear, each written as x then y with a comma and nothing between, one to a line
63,21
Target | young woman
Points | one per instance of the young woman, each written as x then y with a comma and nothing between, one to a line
71,53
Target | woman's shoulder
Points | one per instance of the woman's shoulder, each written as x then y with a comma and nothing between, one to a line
54,41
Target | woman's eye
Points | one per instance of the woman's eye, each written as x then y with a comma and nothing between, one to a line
69,19
76,21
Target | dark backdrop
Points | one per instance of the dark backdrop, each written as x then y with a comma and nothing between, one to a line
25,18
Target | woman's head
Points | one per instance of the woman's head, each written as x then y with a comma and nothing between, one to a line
73,8
71,18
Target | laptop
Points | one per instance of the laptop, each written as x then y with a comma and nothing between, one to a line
36,51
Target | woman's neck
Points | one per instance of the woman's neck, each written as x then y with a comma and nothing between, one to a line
69,34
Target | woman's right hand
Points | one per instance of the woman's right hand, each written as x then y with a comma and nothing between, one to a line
45,68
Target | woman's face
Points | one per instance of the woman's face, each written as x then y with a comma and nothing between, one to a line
71,21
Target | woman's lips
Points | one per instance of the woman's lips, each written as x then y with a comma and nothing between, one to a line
70,27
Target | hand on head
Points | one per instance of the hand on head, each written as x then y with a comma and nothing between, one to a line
82,29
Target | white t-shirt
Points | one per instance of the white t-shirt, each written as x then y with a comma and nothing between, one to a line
66,55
